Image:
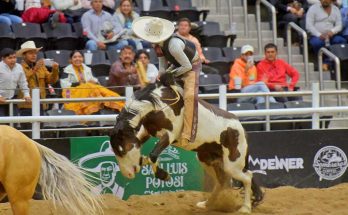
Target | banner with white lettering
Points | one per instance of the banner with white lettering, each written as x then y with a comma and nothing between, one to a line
301,158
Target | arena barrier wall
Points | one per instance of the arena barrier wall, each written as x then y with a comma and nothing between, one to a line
307,158
94,154
301,158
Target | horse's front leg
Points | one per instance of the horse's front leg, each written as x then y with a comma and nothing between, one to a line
154,154
143,136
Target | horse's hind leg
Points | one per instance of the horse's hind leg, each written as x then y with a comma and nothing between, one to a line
19,196
220,180
246,179
2,192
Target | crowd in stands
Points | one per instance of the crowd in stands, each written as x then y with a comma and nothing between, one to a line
107,29
324,20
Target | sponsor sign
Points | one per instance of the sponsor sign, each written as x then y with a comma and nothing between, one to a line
301,158
95,155
330,163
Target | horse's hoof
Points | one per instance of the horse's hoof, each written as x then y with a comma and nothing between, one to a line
202,205
245,209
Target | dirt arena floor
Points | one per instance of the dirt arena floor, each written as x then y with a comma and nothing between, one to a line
283,200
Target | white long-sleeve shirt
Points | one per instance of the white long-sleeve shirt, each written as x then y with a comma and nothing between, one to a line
10,79
176,48
319,22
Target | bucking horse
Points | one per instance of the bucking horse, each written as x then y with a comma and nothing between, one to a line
221,144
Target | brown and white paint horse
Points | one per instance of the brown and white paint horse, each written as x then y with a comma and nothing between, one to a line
220,143
24,163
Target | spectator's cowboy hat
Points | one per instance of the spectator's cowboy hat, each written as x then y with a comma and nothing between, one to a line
27,46
153,29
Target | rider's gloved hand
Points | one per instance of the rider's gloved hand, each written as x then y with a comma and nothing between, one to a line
167,79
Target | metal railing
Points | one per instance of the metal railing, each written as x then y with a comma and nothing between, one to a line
325,51
290,26
246,23
258,20
230,12
222,95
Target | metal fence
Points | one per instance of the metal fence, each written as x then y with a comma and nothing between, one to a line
315,110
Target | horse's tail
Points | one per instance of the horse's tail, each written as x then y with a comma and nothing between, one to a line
62,182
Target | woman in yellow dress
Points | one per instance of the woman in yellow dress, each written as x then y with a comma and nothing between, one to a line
81,83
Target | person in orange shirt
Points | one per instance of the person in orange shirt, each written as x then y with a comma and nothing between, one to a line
243,77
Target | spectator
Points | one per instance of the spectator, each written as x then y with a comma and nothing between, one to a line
338,3
243,76
344,14
36,73
43,14
81,83
125,15
7,8
274,72
11,76
184,28
123,72
324,22
151,69
103,31
289,11
73,9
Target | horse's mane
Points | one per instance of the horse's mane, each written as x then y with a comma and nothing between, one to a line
146,94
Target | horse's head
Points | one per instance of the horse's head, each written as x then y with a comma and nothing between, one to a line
126,145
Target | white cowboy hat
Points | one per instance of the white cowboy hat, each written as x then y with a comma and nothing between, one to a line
153,29
27,46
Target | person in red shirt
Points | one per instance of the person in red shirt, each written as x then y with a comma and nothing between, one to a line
274,71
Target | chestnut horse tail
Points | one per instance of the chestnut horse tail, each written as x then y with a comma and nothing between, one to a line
64,183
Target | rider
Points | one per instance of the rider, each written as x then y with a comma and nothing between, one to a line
185,64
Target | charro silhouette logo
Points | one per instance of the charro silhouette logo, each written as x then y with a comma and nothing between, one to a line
330,163
170,153
263,164
104,164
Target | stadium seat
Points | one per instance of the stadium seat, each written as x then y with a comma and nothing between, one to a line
78,31
161,13
30,31
231,53
206,69
103,80
100,65
213,53
60,56
155,5
113,55
247,106
71,133
7,38
153,56
300,104
275,125
209,27
209,83
61,37
341,51
184,9
222,66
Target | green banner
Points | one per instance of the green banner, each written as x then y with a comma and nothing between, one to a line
94,154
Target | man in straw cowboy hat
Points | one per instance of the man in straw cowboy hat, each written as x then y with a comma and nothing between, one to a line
184,60
11,76
36,73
